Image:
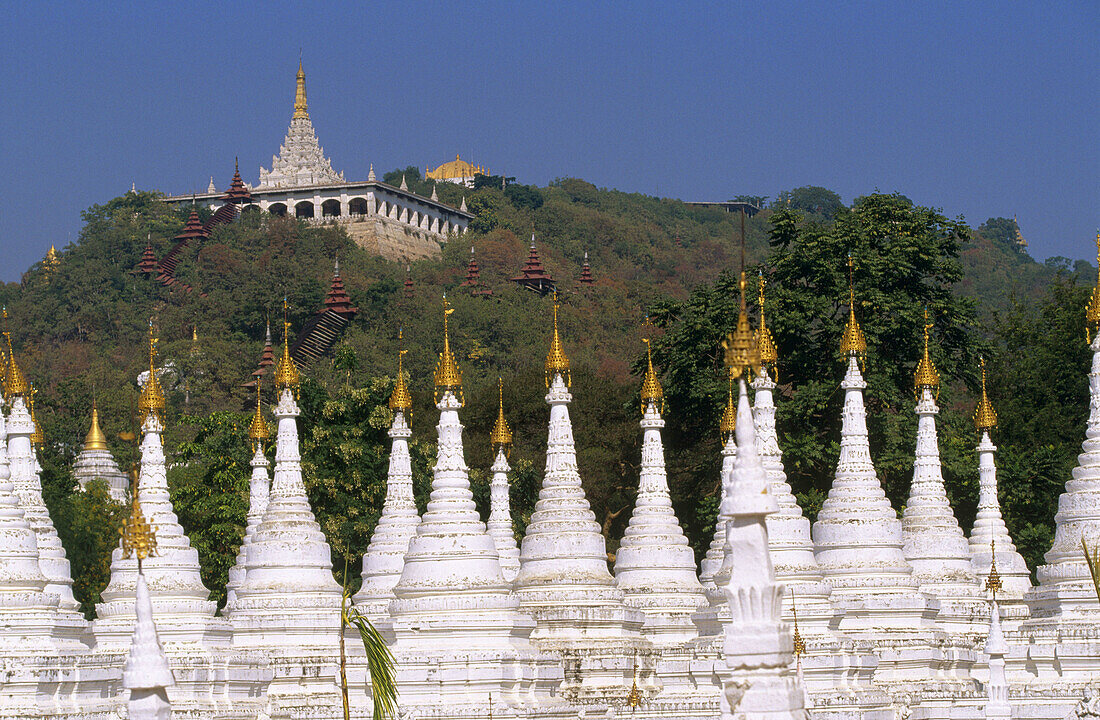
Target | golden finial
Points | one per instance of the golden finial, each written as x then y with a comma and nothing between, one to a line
799,641
742,354
447,375
38,438
151,401
556,361
95,439
400,400
651,386
729,416
300,107
286,372
501,436
769,355
985,417
926,375
993,583
853,342
51,261
257,431
15,383
1092,310
635,698
138,536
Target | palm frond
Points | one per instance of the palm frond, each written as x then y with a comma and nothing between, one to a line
380,663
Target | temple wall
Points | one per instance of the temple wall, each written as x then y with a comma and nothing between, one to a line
394,240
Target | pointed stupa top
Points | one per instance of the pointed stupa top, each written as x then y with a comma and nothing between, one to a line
462,206
151,401
435,195
400,400
557,363
985,417
742,355
211,187
371,177
95,440
852,342
765,344
728,425
447,375
301,105
337,299
404,185
257,431
38,438
15,383
286,372
238,193
146,665
501,436
51,261
1092,310
926,375
1019,236
586,271
652,393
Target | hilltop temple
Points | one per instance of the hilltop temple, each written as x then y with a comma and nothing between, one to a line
860,615
393,222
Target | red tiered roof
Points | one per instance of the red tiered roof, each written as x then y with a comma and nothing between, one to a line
148,263
192,230
473,278
586,272
409,290
267,361
533,276
337,299
238,193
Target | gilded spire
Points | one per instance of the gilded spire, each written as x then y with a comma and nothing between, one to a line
501,436
853,342
257,431
286,372
798,641
151,401
769,355
729,416
447,375
51,261
557,363
301,109
138,536
15,383
742,354
95,439
38,438
1092,310
400,400
993,583
926,375
651,386
985,417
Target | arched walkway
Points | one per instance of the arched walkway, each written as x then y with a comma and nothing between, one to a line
330,208
357,206
277,209
303,209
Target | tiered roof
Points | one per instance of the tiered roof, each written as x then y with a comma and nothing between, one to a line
473,278
534,276
586,272
337,299
267,361
410,290
148,262
238,193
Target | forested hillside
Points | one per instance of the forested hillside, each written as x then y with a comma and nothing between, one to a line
79,333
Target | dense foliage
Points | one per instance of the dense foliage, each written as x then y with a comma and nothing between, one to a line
79,331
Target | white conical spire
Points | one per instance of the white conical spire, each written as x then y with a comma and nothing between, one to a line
301,160
385,557
500,517
990,534
146,673
259,490
758,645
404,185
792,548
996,704
370,175
716,552
655,566
1065,589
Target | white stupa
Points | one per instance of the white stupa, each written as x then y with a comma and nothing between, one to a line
500,497
989,538
95,461
563,577
655,566
712,562
935,545
996,687
385,557
452,604
259,491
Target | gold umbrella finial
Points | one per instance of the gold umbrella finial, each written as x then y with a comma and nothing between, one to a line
652,392
1092,310
799,641
138,536
985,417
557,363
742,355
257,431
926,375
769,354
15,383
286,372
728,424
993,583
401,399
501,436
448,378
151,401
635,698
853,343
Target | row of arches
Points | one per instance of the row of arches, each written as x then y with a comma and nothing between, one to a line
358,206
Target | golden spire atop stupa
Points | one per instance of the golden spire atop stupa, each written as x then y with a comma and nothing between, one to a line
926,375
853,342
51,261
729,415
1092,310
286,372
557,363
257,431
400,400
634,699
651,386
501,436
138,536
742,354
769,354
798,641
301,109
38,438
151,401
985,417
993,581
95,439
15,383
447,375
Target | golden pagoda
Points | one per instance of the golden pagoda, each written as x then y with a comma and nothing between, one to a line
853,342
1092,310
15,383
286,372
51,262
985,417
769,354
95,439
151,401
301,107
728,425
651,386
557,363
742,356
448,378
501,436
257,431
926,375
138,536
456,171
400,400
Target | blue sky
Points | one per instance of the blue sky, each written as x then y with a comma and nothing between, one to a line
981,109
